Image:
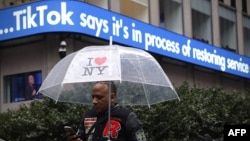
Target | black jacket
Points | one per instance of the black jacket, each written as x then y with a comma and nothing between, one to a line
124,126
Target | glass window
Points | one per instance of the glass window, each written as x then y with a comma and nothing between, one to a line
137,9
171,15
19,1
201,20
244,6
22,87
227,21
99,3
233,3
7,3
246,35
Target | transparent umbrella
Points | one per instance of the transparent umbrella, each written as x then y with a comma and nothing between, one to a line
139,78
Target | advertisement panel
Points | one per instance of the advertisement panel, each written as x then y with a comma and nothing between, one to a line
75,16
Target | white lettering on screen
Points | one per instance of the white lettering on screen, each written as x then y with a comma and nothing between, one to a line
26,19
237,65
94,23
160,42
211,58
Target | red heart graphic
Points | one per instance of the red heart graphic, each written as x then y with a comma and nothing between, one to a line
100,60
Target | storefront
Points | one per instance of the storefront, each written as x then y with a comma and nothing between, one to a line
31,35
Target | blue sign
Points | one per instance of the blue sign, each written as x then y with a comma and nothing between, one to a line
75,16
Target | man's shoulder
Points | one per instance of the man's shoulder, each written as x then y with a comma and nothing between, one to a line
121,108
121,111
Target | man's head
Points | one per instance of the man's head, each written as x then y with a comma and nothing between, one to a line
100,95
31,80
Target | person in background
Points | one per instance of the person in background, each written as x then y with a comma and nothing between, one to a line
30,89
125,126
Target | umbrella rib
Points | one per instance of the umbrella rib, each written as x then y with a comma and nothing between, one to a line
140,67
119,67
58,95
64,78
143,82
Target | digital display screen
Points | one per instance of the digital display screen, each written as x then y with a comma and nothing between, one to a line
22,87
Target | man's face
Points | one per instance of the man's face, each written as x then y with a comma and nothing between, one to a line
100,95
31,79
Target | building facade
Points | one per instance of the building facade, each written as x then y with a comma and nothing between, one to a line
203,42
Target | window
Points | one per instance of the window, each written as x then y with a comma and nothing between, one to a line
246,35
227,21
201,20
1,4
233,4
137,9
171,16
244,6
99,3
7,3
22,87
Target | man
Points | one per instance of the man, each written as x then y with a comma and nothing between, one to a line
30,89
94,126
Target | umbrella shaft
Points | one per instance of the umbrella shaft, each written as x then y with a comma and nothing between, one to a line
109,112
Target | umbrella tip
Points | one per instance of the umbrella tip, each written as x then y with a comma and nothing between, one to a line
110,40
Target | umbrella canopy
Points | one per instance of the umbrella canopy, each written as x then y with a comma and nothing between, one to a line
139,78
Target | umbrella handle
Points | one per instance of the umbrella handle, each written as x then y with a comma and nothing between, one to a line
110,40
